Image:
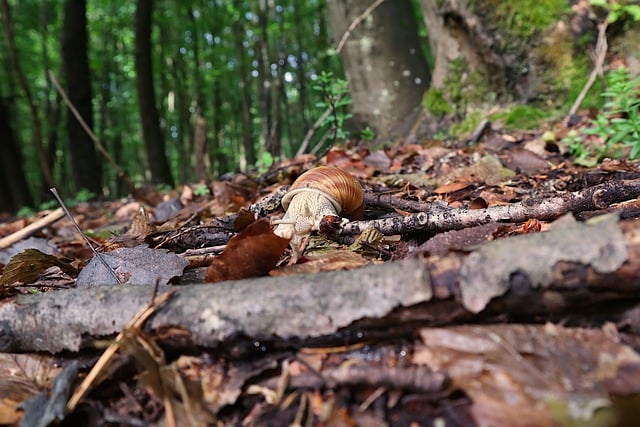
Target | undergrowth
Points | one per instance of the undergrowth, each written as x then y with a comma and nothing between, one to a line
615,132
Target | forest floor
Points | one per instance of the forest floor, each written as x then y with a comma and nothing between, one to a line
491,282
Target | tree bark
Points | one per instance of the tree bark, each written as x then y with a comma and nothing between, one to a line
87,169
383,61
151,132
245,98
36,137
571,271
14,192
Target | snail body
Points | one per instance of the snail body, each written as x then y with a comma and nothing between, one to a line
321,191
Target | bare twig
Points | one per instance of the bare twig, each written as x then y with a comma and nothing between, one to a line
9,240
368,11
313,129
121,173
91,380
598,60
86,239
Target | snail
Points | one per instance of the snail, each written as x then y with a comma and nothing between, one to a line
322,191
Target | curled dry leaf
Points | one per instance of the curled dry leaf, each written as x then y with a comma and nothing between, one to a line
252,253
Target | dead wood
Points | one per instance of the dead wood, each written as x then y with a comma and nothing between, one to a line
437,217
410,378
557,272
32,228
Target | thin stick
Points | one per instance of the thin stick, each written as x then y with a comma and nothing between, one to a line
136,322
356,22
121,173
312,131
599,57
9,240
86,239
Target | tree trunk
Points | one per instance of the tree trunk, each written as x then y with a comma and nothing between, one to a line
87,170
36,137
151,132
491,53
383,61
247,137
14,192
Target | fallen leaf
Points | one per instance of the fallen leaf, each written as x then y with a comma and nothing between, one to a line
251,253
139,266
518,373
21,377
27,266
331,261
456,185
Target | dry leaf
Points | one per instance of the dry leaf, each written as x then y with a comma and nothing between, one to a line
252,253
22,376
26,267
138,266
518,373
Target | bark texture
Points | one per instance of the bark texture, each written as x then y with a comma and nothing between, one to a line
87,170
152,134
14,193
331,308
383,61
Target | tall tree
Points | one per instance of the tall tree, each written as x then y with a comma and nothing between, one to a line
36,136
244,83
383,60
14,192
87,169
152,134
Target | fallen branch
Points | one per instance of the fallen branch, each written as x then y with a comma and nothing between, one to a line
559,272
32,228
441,218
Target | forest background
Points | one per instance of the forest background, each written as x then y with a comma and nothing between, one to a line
186,91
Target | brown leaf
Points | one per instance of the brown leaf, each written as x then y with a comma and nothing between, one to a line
252,253
457,185
26,266
332,261
243,219
22,376
518,373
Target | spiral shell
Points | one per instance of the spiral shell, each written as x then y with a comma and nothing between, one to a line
342,189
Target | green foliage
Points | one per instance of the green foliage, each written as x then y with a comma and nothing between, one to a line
619,10
265,161
204,55
336,99
367,134
201,190
618,125
522,117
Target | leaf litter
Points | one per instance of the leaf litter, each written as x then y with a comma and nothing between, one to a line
488,229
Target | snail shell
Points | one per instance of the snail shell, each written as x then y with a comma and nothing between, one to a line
343,191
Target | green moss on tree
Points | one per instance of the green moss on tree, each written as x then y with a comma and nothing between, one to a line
435,103
524,17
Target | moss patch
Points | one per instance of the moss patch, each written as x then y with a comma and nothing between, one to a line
465,127
525,17
434,102
522,117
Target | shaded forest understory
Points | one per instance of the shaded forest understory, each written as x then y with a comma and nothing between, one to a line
416,231
499,289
